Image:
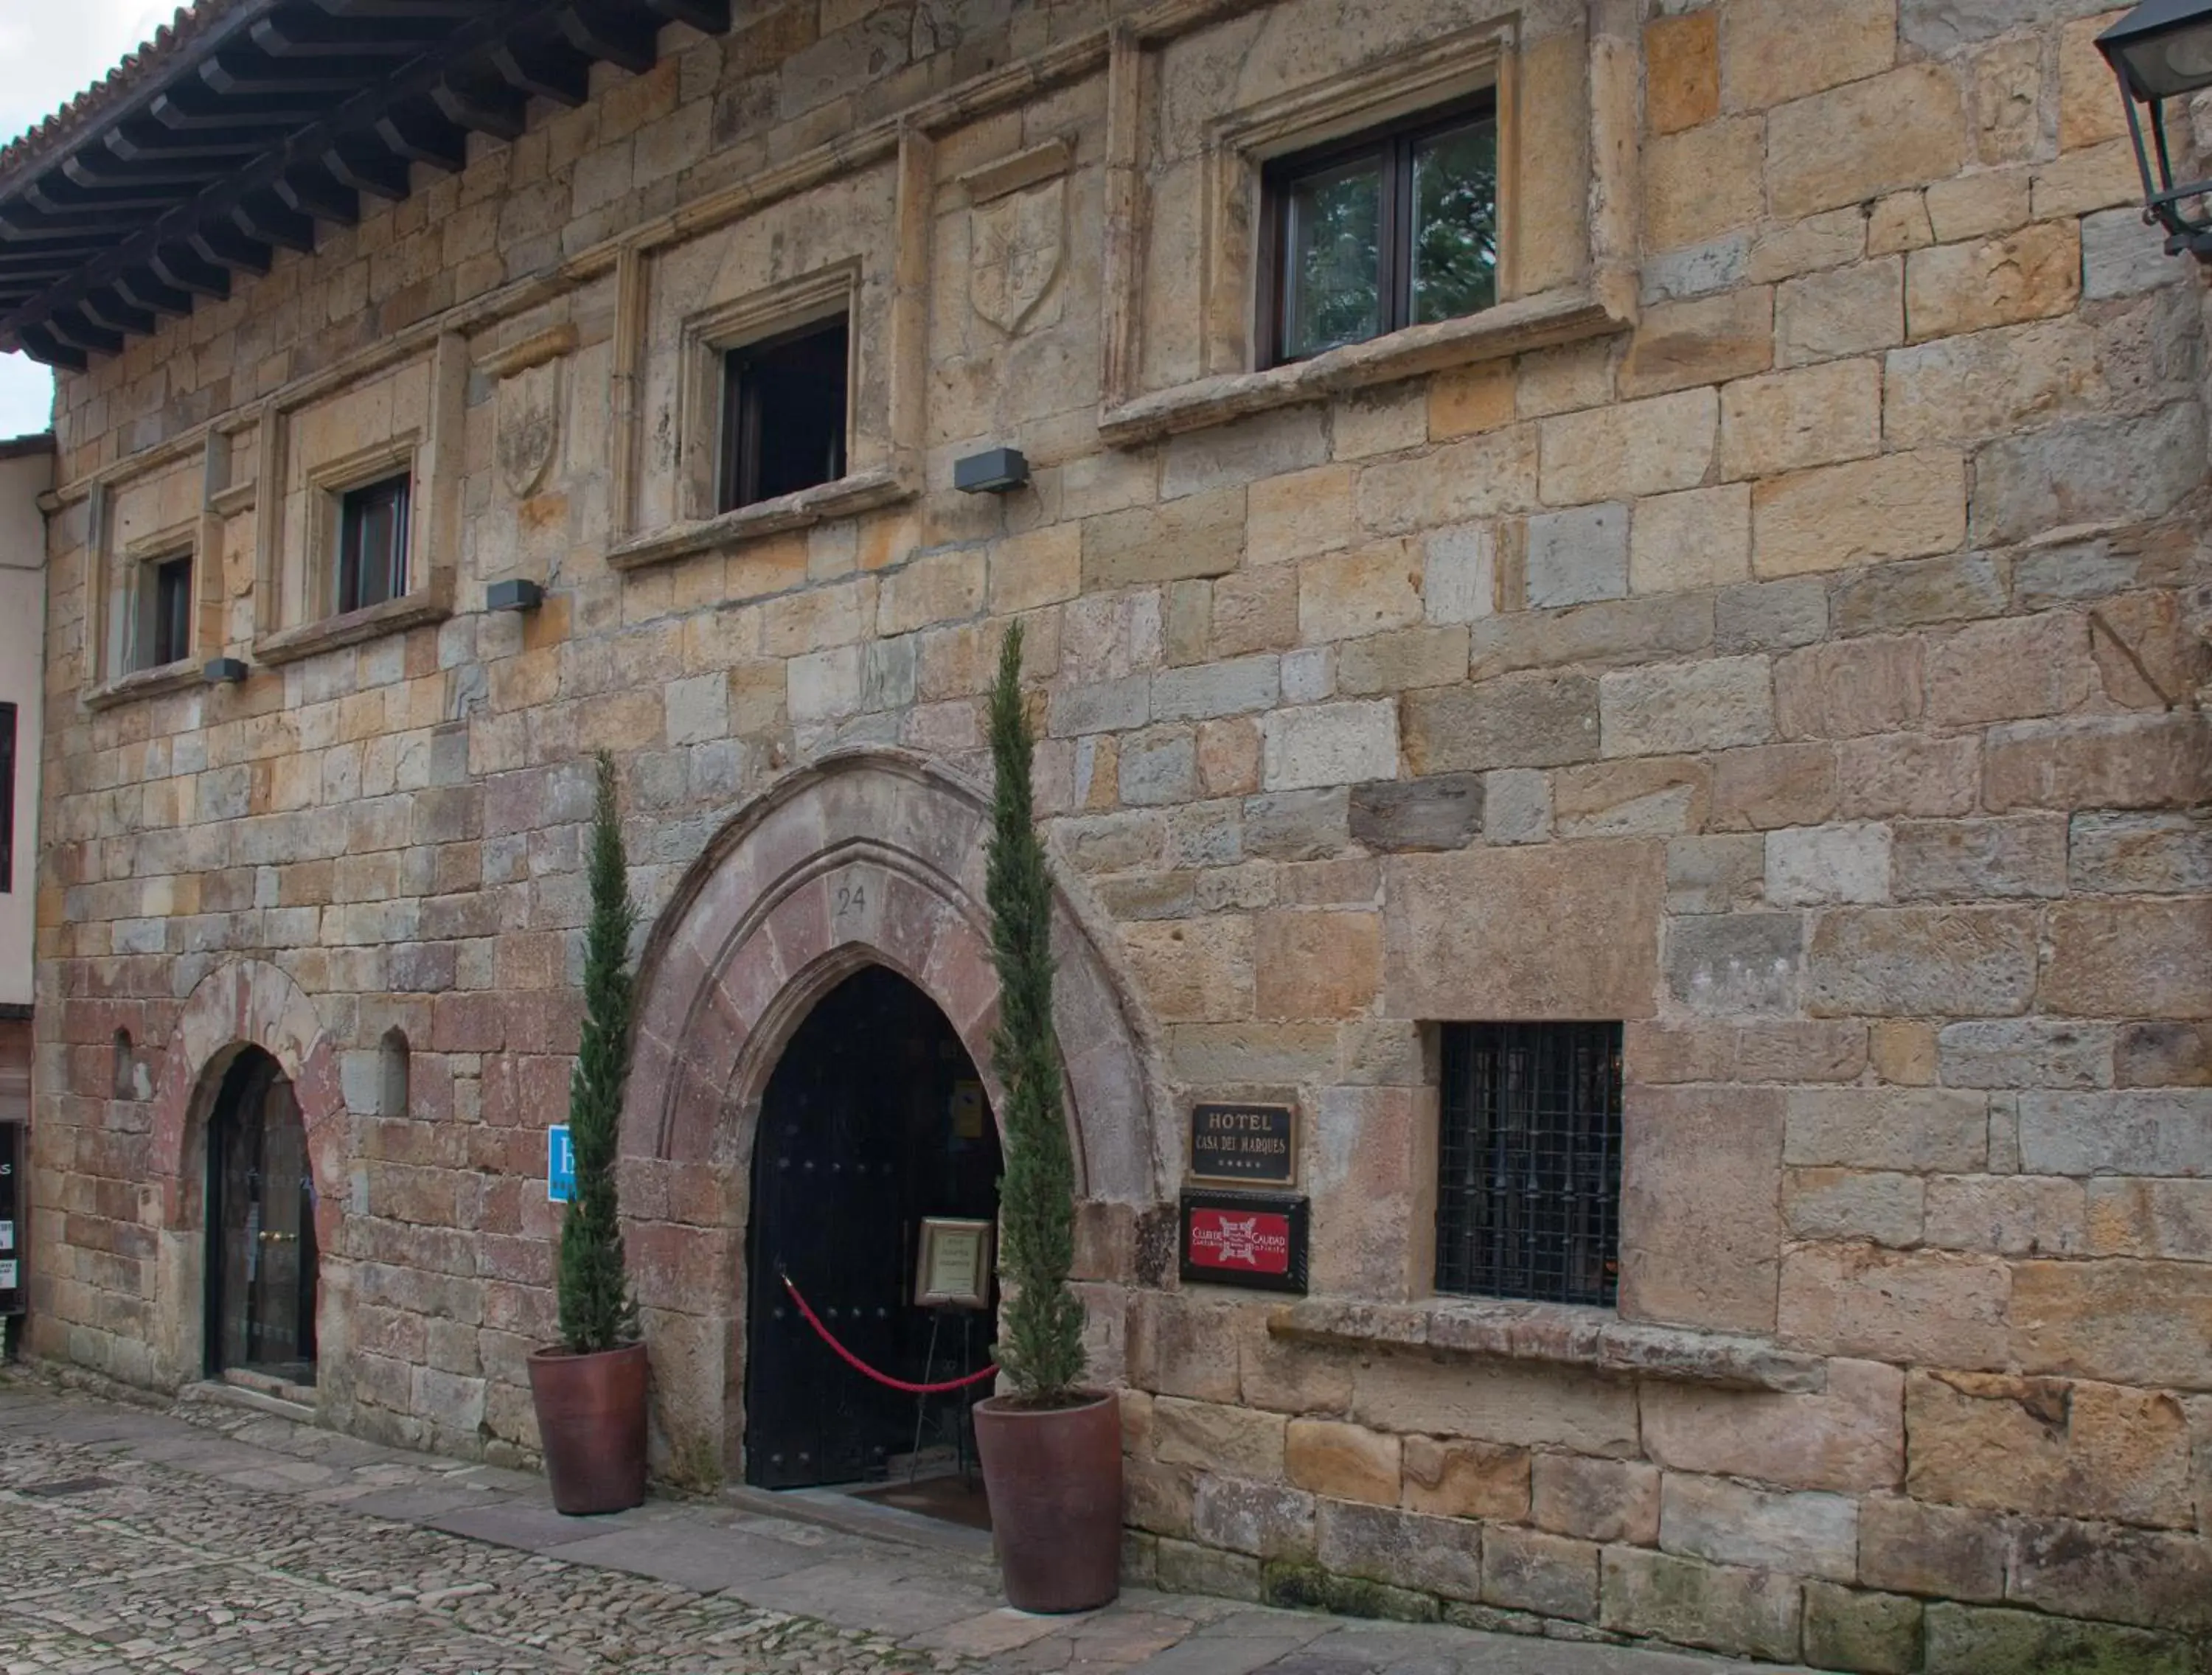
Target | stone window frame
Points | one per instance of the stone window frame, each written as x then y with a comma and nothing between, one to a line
142,572
293,587
115,579
883,452
1601,301
327,487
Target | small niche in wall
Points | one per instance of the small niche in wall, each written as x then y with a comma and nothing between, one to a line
126,1081
394,1067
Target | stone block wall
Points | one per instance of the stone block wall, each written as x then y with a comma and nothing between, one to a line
1779,631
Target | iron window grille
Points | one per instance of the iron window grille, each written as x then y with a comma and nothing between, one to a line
373,543
7,799
1368,235
1529,1193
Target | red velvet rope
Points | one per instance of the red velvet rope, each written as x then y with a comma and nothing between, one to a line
862,1367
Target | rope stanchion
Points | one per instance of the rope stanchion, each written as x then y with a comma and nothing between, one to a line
862,1367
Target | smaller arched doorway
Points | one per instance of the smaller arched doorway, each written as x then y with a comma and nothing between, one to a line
262,1256
874,1120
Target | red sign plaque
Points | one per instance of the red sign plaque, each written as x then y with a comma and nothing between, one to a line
1250,1239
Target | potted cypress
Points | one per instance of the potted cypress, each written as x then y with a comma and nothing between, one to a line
1051,1449
590,1388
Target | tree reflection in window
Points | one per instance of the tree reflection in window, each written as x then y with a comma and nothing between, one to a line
1391,229
1455,223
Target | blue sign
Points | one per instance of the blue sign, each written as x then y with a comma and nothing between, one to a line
560,1164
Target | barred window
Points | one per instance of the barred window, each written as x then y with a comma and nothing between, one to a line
1528,1193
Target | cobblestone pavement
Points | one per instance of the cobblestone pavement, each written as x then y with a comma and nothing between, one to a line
241,1543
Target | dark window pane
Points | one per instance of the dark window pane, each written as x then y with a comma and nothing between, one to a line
161,631
1333,275
784,419
173,609
1528,1178
1455,255
6,799
372,545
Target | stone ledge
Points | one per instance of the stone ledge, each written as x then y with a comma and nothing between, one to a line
863,491
1511,328
1558,1333
157,683
410,610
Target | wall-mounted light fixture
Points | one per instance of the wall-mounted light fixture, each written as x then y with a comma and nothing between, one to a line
514,595
993,472
2162,50
223,670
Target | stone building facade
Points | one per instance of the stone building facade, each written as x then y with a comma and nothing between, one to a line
1770,628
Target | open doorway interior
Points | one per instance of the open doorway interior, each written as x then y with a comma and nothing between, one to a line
873,1121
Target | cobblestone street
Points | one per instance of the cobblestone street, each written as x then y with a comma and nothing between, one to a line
246,1544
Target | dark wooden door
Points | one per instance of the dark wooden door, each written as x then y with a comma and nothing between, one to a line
860,1137
262,1259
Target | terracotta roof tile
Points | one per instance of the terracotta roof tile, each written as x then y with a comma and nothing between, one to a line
39,146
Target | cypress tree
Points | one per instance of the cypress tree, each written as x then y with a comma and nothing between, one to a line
1041,1347
597,1310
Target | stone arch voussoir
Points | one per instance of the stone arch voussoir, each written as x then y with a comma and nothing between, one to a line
868,858
240,1004
871,858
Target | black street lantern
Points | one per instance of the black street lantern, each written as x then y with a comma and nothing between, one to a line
2162,50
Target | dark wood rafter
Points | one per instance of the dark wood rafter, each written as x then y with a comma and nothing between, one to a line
270,125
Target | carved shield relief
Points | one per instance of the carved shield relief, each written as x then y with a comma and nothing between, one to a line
529,425
1014,254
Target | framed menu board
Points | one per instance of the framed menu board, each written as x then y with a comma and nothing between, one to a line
953,1270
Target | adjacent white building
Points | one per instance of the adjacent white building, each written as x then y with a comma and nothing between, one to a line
26,472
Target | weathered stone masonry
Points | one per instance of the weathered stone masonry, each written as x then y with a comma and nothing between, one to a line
1772,626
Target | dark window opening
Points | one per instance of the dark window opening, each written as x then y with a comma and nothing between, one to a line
123,1080
783,418
1529,1193
372,545
393,1068
1394,227
7,799
165,612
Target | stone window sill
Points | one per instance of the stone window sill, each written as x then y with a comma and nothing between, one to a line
145,683
1594,1339
410,610
1511,328
863,491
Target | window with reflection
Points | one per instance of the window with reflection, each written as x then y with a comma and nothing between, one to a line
372,558
1393,227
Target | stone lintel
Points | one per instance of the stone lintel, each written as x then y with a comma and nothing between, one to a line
535,350
1509,329
861,491
1557,1333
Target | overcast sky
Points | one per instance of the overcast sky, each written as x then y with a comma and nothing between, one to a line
51,51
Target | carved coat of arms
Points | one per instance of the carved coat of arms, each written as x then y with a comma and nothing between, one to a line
529,425
1015,246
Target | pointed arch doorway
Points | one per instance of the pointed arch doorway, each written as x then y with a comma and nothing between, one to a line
873,1120
262,1260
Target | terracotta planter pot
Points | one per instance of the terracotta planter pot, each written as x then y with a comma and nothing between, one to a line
1055,1482
591,1419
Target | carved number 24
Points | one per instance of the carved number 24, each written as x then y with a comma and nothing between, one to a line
852,898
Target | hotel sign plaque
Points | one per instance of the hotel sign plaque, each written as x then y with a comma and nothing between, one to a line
1254,1145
